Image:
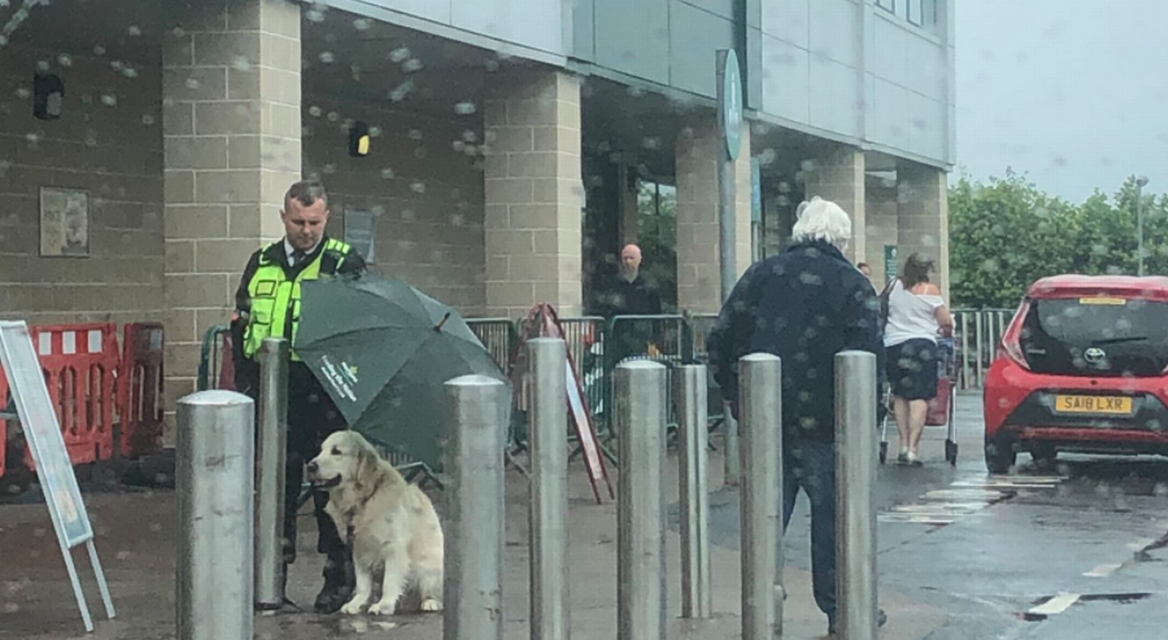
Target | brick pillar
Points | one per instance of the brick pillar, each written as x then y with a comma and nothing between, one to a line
698,151
839,177
534,194
231,118
923,216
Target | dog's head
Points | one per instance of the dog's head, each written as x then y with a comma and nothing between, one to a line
345,457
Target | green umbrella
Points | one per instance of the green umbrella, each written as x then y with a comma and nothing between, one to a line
383,350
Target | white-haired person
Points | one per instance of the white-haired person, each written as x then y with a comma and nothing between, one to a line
804,305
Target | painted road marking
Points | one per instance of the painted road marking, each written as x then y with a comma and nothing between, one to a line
1055,605
1103,570
964,497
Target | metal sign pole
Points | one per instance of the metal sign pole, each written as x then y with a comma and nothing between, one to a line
730,129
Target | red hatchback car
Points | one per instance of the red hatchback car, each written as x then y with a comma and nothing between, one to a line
1083,367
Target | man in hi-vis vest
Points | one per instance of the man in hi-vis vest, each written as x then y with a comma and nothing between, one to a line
268,304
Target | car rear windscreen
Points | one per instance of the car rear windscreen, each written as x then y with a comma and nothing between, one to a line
1096,336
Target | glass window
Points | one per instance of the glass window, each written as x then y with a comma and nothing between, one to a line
914,10
888,5
929,13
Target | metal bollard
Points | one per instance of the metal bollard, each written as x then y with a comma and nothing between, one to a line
271,456
548,358
731,459
475,495
216,477
761,402
855,413
640,508
690,396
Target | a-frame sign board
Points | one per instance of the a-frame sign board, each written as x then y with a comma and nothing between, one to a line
543,322
41,428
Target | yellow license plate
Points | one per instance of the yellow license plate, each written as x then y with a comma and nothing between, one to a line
1107,405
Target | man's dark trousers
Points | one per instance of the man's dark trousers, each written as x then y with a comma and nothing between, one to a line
312,416
810,466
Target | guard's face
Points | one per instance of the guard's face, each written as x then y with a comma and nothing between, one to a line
304,225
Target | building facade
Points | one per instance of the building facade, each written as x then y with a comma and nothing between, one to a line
145,144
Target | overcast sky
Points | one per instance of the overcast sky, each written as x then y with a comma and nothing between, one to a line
1073,92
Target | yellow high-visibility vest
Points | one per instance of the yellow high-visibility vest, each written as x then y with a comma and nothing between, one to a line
275,300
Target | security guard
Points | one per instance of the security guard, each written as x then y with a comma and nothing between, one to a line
268,304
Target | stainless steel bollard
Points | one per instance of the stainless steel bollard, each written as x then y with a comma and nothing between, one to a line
690,395
855,413
475,496
640,392
271,456
761,403
731,459
548,358
216,477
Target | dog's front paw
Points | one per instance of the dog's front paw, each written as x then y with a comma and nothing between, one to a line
382,608
431,604
353,607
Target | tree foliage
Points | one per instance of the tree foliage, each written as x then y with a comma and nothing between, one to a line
1007,233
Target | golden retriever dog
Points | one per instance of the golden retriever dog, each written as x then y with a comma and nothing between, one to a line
392,525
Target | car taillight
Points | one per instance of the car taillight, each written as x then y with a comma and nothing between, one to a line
1013,348
1012,340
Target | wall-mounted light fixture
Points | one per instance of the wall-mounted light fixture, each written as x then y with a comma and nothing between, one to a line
359,140
48,96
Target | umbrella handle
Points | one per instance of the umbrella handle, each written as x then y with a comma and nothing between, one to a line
446,317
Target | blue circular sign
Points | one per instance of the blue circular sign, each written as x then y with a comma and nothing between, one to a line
731,104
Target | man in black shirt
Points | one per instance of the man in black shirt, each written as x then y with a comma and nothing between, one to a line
631,294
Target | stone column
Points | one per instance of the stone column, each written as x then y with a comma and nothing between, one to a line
231,119
698,151
534,194
839,176
923,216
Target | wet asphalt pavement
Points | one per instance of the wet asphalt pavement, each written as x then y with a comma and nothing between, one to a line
1076,552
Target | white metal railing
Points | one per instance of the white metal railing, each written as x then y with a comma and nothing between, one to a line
978,333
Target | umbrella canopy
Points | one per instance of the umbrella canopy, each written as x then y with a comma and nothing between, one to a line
383,350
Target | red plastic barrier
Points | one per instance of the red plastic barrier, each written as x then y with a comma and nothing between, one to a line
140,384
80,363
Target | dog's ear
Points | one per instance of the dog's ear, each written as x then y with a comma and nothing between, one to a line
366,466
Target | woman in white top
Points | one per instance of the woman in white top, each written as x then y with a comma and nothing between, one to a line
916,315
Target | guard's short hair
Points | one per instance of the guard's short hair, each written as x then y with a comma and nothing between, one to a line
306,192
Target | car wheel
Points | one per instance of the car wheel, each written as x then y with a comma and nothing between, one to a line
1000,456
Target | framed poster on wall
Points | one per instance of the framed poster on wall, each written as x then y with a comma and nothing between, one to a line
64,222
361,233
